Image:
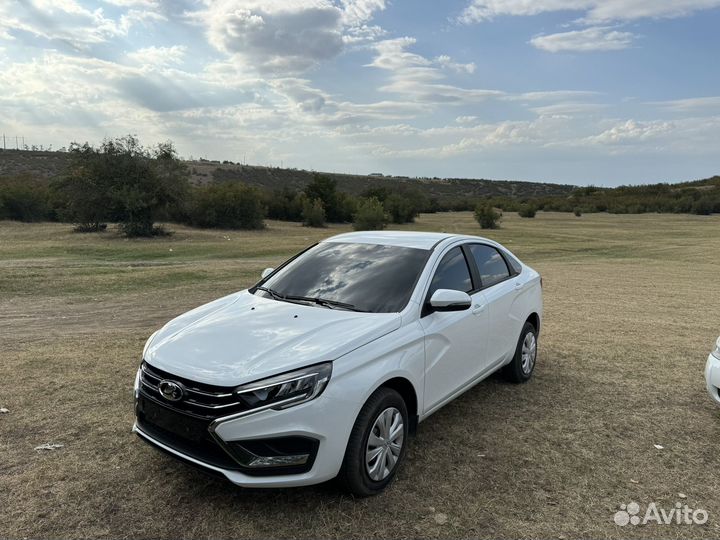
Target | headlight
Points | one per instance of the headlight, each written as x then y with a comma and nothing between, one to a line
288,389
716,350
136,387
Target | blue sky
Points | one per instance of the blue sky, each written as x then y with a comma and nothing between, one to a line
576,91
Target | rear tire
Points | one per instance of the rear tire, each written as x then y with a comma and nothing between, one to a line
377,444
521,368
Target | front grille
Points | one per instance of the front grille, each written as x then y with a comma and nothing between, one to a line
186,434
203,400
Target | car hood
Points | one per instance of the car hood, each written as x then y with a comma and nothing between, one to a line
242,337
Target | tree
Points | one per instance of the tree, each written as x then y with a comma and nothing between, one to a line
313,213
527,211
227,205
370,215
487,216
124,182
325,188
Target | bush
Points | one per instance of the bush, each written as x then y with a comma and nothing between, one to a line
313,214
228,205
527,211
121,181
487,216
325,188
577,211
702,207
25,199
370,215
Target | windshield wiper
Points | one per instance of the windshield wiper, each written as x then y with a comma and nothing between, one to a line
325,302
335,304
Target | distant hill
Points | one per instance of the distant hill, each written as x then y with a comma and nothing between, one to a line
48,165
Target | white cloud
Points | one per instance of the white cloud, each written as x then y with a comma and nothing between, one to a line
692,105
284,36
631,131
158,56
359,12
466,119
420,78
595,11
599,38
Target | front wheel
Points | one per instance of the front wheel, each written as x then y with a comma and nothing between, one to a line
377,444
520,369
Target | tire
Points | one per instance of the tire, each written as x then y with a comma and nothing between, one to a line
364,479
521,368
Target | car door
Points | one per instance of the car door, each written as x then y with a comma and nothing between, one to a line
501,288
455,340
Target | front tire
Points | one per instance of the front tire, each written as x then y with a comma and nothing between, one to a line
520,369
377,444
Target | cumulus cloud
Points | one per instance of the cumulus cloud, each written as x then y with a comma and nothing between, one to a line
591,39
287,36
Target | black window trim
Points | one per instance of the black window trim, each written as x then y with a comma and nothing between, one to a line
474,269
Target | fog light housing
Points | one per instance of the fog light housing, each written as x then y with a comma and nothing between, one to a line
280,455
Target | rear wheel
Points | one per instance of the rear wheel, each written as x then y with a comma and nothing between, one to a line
377,444
523,363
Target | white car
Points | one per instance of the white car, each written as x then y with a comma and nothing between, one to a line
712,373
326,366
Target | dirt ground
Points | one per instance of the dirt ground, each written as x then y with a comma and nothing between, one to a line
631,312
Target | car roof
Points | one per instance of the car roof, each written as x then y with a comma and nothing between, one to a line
410,239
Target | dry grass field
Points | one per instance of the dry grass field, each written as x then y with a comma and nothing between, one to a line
631,310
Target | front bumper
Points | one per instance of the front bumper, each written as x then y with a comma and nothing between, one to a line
712,378
326,421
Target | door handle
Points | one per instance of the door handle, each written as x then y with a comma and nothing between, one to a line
478,308
519,285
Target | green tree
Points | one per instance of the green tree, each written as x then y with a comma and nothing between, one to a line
370,215
313,213
487,216
527,211
124,182
227,205
325,188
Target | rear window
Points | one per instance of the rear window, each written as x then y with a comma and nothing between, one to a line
371,277
490,264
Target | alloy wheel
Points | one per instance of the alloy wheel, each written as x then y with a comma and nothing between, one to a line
528,352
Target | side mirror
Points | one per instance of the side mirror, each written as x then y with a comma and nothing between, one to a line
267,272
450,300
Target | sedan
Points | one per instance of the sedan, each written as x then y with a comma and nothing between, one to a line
326,366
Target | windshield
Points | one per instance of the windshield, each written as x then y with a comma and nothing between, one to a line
363,277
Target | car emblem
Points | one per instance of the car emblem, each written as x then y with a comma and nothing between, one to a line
171,390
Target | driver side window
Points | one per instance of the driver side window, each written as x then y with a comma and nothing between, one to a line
452,273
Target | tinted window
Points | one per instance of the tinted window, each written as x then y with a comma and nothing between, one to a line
514,263
371,277
452,273
490,263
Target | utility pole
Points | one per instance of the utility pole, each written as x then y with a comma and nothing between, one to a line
4,142
16,143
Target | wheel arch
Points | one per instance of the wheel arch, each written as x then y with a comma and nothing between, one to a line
406,389
534,319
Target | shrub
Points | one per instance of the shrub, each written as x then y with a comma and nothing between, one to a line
228,205
577,211
487,216
124,182
25,199
702,207
370,215
325,188
313,214
527,211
